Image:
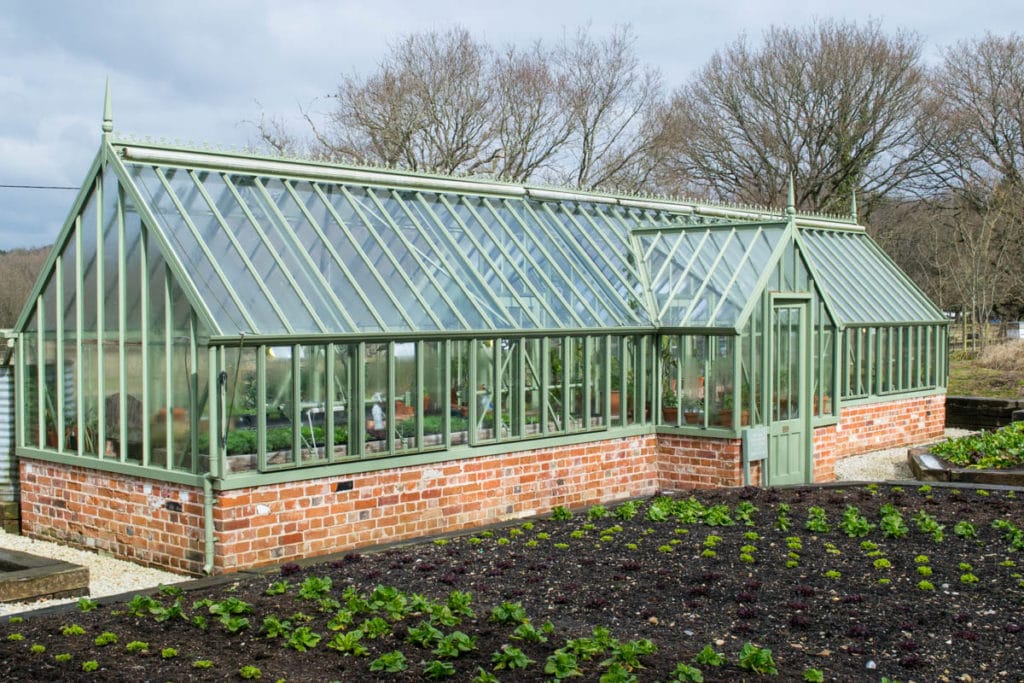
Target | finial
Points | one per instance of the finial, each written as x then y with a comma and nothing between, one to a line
853,205
108,112
791,199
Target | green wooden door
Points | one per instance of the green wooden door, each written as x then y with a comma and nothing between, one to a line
789,425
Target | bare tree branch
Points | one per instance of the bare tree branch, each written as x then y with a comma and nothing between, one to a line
834,104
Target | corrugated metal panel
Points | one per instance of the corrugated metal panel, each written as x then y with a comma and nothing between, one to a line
8,463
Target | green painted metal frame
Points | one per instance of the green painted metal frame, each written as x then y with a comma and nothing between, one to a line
607,225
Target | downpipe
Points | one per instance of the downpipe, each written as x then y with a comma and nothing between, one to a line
208,535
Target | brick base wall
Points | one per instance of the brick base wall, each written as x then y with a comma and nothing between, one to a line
161,524
686,462
153,523
873,426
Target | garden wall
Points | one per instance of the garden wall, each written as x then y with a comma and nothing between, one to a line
273,523
970,412
153,523
874,426
160,524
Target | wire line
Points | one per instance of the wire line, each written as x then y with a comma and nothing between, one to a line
39,187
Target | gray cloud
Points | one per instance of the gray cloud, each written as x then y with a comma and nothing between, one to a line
193,70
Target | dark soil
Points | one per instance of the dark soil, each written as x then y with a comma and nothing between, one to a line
640,578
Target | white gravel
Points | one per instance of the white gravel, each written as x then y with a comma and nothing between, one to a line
108,576
883,465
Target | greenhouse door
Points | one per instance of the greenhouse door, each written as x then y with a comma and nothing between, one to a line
789,426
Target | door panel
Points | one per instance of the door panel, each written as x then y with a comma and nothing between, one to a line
789,427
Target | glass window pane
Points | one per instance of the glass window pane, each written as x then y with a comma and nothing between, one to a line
487,417
555,383
408,397
435,395
595,416
575,383
344,401
459,392
691,394
616,347
313,403
280,405
241,419
723,393
532,364
376,400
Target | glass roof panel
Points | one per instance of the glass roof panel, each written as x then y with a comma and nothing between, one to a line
191,250
318,312
456,257
510,263
546,267
861,284
585,277
279,255
258,273
345,229
703,276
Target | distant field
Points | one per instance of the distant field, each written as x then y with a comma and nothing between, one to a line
996,373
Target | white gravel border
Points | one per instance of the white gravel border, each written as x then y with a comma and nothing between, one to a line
108,576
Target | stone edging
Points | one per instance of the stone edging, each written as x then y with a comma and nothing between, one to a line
929,467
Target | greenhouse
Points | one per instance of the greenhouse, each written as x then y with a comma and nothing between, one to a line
231,360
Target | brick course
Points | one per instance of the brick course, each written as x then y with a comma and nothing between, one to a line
131,517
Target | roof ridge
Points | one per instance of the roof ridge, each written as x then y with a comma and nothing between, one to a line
249,152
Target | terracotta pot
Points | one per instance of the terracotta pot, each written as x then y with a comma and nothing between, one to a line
670,415
725,417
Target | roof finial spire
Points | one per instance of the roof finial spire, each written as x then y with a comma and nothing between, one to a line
853,205
108,112
791,199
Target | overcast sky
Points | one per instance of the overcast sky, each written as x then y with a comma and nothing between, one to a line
198,70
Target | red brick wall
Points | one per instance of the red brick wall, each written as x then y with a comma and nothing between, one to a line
274,523
128,517
269,524
873,426
133,518
686,462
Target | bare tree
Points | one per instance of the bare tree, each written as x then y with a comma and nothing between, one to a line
834,104
974,137
531,124
975,128
584,113
612,100
19,269
985,247
429,107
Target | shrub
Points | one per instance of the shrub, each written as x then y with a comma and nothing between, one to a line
1008,357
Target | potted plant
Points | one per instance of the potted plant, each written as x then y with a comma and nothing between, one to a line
670,407
725,414
693,409
825,405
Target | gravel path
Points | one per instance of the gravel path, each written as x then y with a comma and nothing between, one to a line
883,465
108,576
